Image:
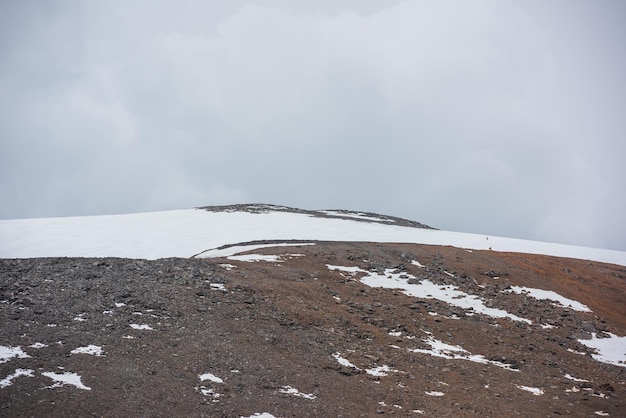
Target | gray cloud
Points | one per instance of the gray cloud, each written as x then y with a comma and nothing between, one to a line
492,117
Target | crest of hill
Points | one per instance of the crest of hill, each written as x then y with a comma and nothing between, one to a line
325,213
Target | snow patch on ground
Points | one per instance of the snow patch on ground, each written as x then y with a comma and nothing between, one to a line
8,381
425,289
541,294
38,345
209,392
80,317
344,362
345,269
568,376
534,391
455,352
7,353
356,215
382,403
66,378
434,393
141,326
236,249
262,257
383,370
256,257
211,377
92,350
227,266
610,350
295,392
205,391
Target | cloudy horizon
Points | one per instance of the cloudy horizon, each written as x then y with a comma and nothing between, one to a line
493,117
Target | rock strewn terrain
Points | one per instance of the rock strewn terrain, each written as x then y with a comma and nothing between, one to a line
224,337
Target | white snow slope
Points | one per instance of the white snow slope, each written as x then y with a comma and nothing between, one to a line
185,233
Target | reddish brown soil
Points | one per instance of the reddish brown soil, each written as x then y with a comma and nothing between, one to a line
281,324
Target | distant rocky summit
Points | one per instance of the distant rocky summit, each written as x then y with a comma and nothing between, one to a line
330,214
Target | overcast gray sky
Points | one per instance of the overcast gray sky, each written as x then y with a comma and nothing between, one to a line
496,117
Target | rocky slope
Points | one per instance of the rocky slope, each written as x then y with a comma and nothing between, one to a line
368,217
305,331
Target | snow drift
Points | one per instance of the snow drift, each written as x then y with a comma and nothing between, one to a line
190,232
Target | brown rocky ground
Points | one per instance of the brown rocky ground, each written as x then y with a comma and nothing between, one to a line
281,325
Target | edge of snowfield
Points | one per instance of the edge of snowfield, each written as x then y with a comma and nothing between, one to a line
183,233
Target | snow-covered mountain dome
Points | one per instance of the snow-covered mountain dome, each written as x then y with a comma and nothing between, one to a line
222,230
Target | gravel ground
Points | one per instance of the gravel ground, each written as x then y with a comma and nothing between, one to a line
232,338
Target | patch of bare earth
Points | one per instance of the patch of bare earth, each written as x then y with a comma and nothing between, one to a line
223,337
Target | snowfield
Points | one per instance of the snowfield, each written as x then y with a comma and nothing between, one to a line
190,232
